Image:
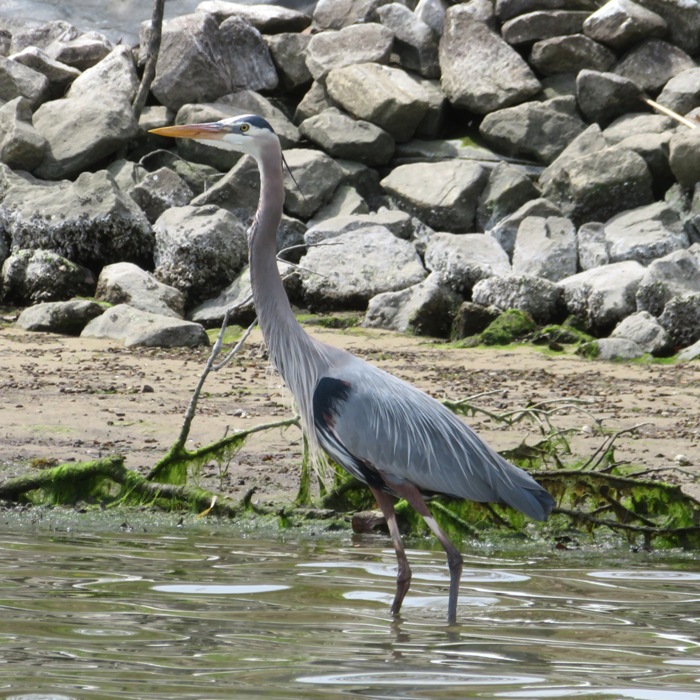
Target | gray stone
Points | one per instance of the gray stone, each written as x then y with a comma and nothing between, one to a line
599,185
645,233
676,274
616,349
126,283
346,201
17,80
115,74
198,250
622,23
603,296
425,308
507,9
59,75
432,13
89,221
33,276
443,195
320,175
589,141
480,71
134,327
359,43
534,130
636,123
472,319
543,24
505,231
399,223
43,35
160,190
82,52
81,131
336,14
65,317
681,319
415,43
315,101
592,246
652,63
341,136
603,97
683,20
536,296
268,19
506,191
570,54
126,174
462,260
347,271
646,331
684,157
385,96
654,148
692,352
545,247
288,51
682,92
21,146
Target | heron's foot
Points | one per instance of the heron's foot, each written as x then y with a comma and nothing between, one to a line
454,562
403,583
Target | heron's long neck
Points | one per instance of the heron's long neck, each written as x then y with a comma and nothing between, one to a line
295,355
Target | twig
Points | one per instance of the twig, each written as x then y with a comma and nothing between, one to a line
149,71
670,113
237,347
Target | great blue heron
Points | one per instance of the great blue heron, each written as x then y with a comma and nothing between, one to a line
386,432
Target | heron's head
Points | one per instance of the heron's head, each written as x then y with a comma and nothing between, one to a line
248,133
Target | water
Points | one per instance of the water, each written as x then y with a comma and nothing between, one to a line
199,612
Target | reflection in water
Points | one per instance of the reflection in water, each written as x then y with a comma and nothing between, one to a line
172,614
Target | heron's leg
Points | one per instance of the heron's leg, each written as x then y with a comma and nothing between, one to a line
454,559
403,577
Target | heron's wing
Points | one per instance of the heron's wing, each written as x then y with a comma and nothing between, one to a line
374,424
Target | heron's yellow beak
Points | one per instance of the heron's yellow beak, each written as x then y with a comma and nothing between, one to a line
191,131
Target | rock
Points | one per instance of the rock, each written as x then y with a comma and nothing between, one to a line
599,185
346,201
82,52
636,123
159,191
65,317
336,14
507,189
415,43
681,319
198,250
570,54
620,24
612,349
676,274
506,230
602,297
268,19
444,195
315,101
359,43
536,296
592,246
320,175
645,233
692,352
59,75
200,61
385,96
471,319
425,308
33,276
341,136
683,20
462,260
399,223
288,52
81,131
534,130
350,270
646,332
126,283
602,97
654,148
43,35
546,248
652,63
115,74
21,146
682,92
17,80
140,328
90,221
543,24
507,9
480,72
684,157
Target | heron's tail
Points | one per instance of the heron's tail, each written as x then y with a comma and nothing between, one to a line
519,490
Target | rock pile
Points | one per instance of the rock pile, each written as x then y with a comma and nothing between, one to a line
455,161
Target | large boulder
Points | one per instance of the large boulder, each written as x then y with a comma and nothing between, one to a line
676,274
684,157
115,73
546,247
622,23
507,189
268,19
288,52
320,176
160,190
570,54
652,63
66,317
683,21
18,80
681,319
646,331
59,75
542,24
682,92
21,145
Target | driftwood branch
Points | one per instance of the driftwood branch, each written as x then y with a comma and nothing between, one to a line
149,71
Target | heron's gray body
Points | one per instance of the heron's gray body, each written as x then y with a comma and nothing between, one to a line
384,431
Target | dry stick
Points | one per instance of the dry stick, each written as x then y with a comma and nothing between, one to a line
670,113
149,72
606,445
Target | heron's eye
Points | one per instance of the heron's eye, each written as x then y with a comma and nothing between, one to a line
244,128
